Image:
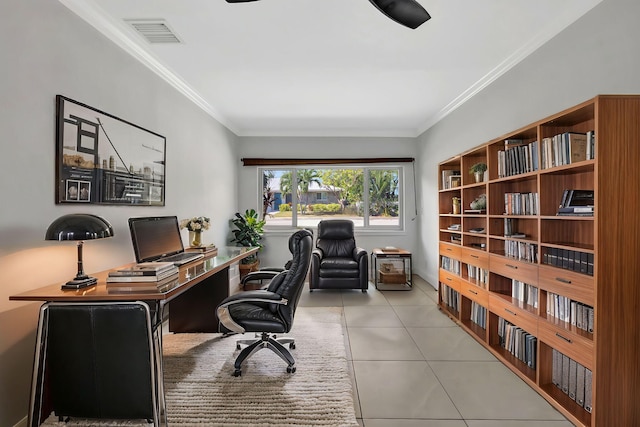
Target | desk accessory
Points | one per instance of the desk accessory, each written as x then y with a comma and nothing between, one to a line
79,227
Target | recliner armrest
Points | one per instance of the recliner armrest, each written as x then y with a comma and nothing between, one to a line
358,253
317,252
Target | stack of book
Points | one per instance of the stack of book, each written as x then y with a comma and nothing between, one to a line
142,277
210,250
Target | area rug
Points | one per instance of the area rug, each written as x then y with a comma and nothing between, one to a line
201,390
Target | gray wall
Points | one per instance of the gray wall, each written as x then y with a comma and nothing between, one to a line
598,54
47,50
327,147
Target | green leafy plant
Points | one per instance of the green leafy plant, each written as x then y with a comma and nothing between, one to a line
248,231
478,167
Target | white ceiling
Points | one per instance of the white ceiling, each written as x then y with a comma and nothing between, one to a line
331,67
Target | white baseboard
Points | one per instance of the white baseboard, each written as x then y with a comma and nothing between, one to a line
22,422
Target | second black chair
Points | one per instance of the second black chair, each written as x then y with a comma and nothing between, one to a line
269,311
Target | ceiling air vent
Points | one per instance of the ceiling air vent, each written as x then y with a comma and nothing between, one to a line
154,30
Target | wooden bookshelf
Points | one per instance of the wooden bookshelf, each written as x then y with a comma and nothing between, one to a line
585,261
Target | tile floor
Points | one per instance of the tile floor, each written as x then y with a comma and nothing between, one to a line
413,367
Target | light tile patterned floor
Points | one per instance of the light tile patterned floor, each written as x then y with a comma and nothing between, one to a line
413,367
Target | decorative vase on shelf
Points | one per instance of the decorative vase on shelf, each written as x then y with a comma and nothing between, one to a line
196,238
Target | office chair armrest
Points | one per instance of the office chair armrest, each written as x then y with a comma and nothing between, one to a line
260,275
243,297
259,295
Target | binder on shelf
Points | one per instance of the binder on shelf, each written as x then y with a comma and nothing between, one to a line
572,378
556,373
587,390
565,374
580,373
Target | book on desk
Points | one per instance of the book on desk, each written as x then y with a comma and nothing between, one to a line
143,272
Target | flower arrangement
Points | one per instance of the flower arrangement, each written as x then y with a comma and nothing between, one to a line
198,223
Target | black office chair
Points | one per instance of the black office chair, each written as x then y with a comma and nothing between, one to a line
269,311
99,360
263,276
337,262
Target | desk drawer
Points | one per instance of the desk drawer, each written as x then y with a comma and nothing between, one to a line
576,347
514,269
449,279
576,286
475,293
452,251
513,314
475,257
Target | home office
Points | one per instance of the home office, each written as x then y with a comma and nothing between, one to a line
53,50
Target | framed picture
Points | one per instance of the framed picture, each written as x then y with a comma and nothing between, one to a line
103,159
455,181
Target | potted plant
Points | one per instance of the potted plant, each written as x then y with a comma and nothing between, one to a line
248,233
478,170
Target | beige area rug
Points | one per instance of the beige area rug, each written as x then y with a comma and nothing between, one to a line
201,390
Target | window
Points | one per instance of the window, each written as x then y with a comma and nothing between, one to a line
302,196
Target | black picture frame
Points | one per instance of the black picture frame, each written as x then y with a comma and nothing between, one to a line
103,159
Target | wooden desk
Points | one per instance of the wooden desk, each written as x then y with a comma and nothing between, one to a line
194,296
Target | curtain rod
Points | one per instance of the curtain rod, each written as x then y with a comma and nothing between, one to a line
282,162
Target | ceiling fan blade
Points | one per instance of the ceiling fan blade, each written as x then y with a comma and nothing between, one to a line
406,12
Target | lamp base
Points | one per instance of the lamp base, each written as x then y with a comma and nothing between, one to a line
80,283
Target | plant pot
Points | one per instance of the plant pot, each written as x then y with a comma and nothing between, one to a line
248,268
479,176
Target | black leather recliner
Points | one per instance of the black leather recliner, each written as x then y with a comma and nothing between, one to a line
337,263
269,311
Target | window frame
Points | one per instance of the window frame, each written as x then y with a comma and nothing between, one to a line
366,168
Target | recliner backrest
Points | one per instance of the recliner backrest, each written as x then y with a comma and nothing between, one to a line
336,238
301,245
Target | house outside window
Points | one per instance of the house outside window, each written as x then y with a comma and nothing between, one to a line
302,196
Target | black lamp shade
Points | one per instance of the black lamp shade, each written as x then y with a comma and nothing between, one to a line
406,12
79,227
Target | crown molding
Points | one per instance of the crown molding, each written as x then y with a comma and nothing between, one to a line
117,33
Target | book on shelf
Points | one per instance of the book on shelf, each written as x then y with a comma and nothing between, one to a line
475,211
478,230
144,278
454,227
576,202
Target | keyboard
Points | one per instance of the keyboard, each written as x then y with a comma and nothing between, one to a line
182,258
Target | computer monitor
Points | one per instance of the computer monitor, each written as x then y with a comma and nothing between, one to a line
155,237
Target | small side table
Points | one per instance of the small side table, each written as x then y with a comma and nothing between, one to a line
391,269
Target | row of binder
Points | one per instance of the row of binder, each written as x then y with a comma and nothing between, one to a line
580,262
565,309
450,297
449,264
518,342
572,378
479,315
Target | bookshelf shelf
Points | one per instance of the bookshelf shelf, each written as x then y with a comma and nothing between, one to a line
569,282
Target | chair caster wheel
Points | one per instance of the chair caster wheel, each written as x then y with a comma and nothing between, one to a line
237,346
292,346
291,369
237,373
364,291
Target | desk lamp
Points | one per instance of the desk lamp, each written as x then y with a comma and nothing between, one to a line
79,227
